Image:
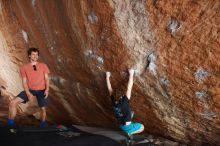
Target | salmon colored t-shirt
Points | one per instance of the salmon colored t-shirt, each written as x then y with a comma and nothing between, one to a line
35,79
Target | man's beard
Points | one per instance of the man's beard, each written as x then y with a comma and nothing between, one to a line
34,60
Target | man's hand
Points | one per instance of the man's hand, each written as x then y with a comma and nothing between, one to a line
108,74
30,96
46,93
131,72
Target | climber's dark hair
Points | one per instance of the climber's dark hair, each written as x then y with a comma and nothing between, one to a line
30,50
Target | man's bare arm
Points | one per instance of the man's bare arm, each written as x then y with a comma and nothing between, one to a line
110,90
26,89
130,83
47,80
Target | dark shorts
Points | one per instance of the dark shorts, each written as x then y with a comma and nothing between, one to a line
42,101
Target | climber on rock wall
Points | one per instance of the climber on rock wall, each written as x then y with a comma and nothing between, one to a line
35,81
122,108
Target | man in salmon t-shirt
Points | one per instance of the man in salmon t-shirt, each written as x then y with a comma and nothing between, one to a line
35,82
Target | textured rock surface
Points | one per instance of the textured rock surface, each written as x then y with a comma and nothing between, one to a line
173,45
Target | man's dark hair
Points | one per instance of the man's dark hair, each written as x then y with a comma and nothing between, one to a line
30,50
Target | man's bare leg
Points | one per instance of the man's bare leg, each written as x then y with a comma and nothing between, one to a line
13,110
43,115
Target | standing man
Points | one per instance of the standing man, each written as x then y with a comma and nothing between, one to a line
122,108
35,81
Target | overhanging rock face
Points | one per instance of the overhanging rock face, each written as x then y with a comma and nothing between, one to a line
174,47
